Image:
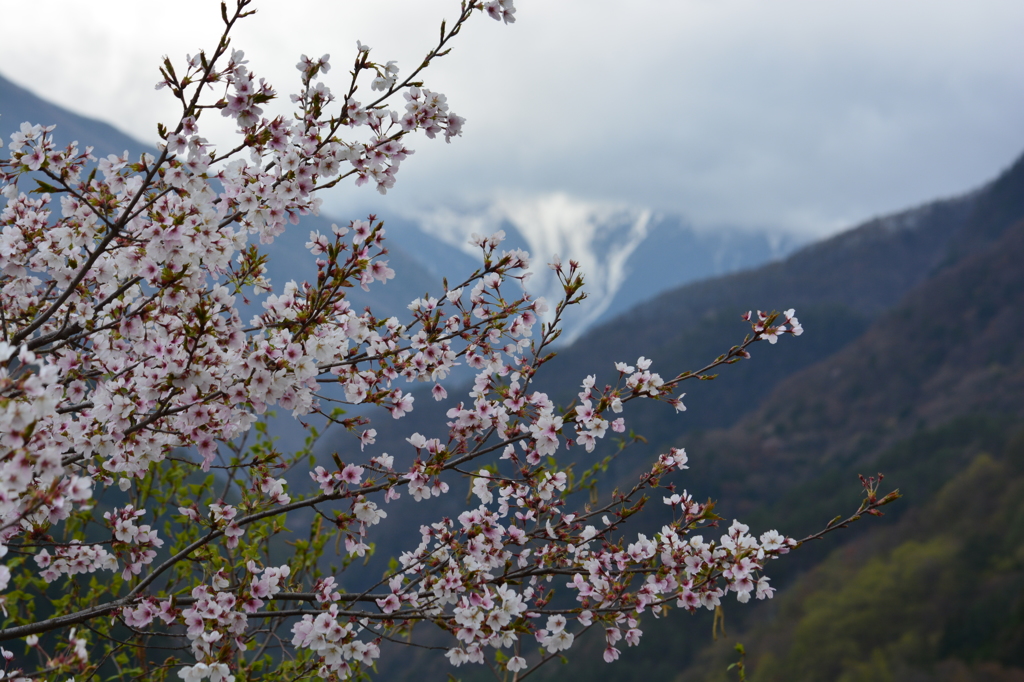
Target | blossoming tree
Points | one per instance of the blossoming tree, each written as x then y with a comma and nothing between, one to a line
140,530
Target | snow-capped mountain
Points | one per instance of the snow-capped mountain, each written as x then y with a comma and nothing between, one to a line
627,254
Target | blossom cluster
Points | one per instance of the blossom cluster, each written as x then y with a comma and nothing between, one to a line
128,374
524,534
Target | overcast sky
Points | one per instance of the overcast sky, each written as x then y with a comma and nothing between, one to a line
807,115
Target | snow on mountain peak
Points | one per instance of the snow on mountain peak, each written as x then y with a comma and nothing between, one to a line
627,254
600,237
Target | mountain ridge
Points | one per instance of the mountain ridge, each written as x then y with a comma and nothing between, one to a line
628,255
837,286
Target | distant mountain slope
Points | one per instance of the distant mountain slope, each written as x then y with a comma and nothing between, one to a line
865,269
953,346
18,105
950,345
931,393
837,286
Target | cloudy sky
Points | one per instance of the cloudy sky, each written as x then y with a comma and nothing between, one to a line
805,115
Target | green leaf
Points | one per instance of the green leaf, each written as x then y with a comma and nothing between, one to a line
44,188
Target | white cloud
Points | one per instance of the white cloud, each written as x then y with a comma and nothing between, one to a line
798,113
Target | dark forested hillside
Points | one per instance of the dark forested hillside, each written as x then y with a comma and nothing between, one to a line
931,393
